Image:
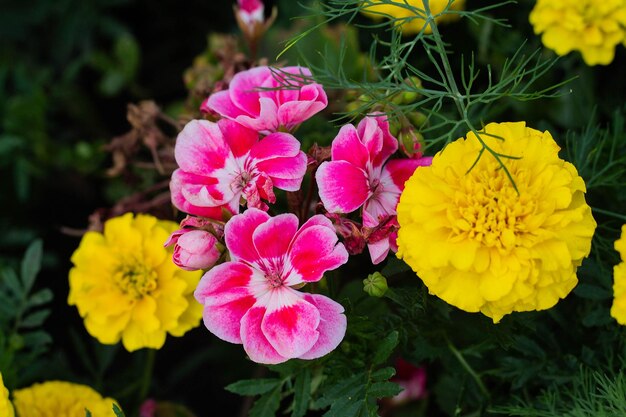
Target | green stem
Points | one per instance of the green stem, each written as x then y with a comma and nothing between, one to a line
468,368
609,213
146,379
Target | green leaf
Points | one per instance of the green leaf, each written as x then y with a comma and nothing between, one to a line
386,346
37,338
346,408
87,413
118,412
383,374
31,264
253,386
302,393
12,282
35,319
267,405
39,298
384,389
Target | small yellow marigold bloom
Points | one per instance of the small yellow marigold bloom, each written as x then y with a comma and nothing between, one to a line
6,409
61,399
618,310
127,287
479,244
593,27
398,9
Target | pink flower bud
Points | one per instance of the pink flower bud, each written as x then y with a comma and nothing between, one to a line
251,11
195,249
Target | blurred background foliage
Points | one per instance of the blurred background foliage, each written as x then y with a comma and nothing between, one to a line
68,69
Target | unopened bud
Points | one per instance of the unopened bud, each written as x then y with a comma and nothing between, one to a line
375,284
417,119
411,142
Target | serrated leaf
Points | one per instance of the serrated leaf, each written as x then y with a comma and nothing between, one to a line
35,319
302,393
253,386
383,374
384,389
592,292
267,404
346,388
38,338
12,282
31,264
384,349
346,408
39,298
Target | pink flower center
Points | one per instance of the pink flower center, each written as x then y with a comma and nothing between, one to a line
375,187
274,279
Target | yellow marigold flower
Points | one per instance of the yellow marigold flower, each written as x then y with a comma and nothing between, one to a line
618,310
593,27
479,244
61,399
126,285
6,409
398,10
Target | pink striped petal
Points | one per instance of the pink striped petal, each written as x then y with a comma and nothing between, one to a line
389,143
293,167
275,145
347,146
266,121
238,234
314,251
221,104
332,326
254,341
272,238
240,139
378,250
293,113
200,148
372,137
380,206
245,87
224,293
291,330
343,187
181,203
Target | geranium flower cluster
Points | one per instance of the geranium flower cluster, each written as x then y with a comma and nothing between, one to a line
250,294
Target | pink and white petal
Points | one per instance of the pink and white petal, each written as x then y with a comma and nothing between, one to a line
200,148
240,139
400,170
238,234
272,238
332,327
314,251
390,143
254,341
244,89
224,292
343,187
275,145
378,250
380,206
181,203
266,122
293,113
287,184
372,137
347,146
221,104
291,329
314,92
290,167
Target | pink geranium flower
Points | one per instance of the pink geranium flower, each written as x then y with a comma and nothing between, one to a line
360,175
221,163
269,99
252,299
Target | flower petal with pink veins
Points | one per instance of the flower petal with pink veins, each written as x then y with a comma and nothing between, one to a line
275,145
200,147
372,137
244,89
240,139
238,234
332,326
180,202
343,187
291,330
254,341
312,252
367,127
224,293
347,146
266,240
378,250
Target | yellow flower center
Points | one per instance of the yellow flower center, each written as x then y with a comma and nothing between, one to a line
488,209
135,279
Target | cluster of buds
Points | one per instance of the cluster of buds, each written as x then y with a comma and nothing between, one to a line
197,243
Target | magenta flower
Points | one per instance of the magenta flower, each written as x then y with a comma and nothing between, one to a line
413,381
221,163
252,299
360,175
269,99
195,249
251,11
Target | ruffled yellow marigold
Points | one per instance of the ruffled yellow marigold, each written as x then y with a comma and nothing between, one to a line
479,244
618,310
6,409
127,287
398,10
593,27
61,399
